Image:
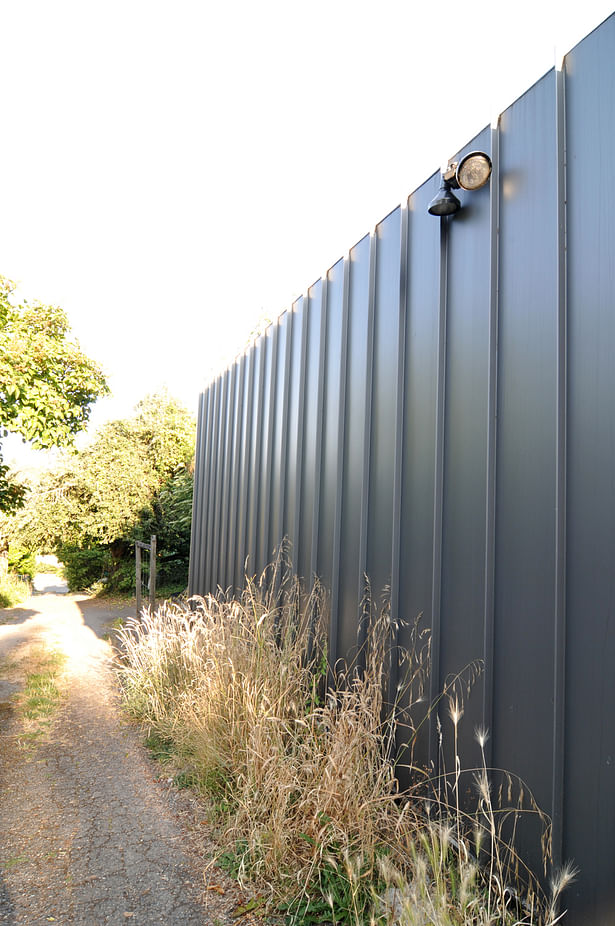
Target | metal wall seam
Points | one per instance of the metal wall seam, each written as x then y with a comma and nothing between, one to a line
301,403
232,537
559,673
224,476
322,346
215,579
212,466
274,335
227,475
337,517
492,405
246,441
398,452
256,462
232,477
369,375
438,500
284,413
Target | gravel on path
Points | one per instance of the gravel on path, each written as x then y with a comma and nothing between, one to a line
90,834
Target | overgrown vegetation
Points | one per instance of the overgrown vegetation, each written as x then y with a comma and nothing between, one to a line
38,702
132,480
302,776
13,590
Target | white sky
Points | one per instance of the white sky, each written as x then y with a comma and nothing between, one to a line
171,171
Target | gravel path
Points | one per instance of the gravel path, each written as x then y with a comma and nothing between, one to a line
89,832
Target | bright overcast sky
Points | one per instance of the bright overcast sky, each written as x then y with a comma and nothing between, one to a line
172,171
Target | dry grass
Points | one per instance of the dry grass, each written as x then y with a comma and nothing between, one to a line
301,773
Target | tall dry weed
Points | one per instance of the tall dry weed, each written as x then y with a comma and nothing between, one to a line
298,757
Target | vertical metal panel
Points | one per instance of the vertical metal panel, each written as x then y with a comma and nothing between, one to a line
419,420
383,411
438,496
280,432
464,435
256,439
311,430
559,641
366,452
296,390
590,690
400,363
244,470
355,437
321,348
263,548
227,463
331,448
213,457
527,415
339,475
231,578
490,488
216,578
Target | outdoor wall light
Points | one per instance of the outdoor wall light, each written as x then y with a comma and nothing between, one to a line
470,173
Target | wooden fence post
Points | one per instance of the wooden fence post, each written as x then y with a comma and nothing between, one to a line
138,576
152,573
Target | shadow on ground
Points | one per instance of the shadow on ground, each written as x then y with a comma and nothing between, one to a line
15,615
99,615
7,910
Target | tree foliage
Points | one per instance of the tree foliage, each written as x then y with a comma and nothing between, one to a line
133,479
47,384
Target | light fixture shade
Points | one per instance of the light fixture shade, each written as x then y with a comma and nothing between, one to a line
473,170
444,202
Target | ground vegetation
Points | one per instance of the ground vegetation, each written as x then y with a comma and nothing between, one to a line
296,760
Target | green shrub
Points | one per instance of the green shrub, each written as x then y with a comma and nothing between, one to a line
83,567
122,576
22,561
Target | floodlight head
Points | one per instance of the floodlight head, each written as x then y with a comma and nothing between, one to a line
470,173
473,170
444,202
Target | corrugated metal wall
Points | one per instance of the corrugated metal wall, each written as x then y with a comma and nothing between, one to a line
438,412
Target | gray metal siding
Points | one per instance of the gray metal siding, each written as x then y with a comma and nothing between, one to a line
438,413
590,646
464,488
355,435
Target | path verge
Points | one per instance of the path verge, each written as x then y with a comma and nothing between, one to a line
90,831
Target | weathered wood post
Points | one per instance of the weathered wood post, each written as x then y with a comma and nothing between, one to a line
138,575
152,573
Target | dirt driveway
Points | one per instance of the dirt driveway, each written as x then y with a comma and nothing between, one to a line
90,833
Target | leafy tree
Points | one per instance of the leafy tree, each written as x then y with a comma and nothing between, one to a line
133,479
167,430
170,518
47,384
